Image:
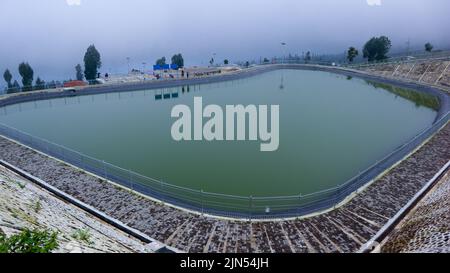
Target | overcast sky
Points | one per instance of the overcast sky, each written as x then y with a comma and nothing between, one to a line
52,35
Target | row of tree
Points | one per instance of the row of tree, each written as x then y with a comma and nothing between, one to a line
177,59
27,74
376,49
92,62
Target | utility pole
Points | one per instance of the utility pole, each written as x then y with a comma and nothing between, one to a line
408,44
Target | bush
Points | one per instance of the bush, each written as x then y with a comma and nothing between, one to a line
29,241
82,235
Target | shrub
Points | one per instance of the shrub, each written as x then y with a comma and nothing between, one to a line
29,241
82,235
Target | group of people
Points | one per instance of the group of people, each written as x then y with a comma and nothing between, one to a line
171,76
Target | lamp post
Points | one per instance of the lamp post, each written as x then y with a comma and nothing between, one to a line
283,44
128,64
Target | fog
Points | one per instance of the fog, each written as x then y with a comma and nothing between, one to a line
52,35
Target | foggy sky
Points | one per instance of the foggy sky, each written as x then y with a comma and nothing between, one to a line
53,35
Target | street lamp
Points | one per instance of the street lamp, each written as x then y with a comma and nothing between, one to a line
283,44
128,64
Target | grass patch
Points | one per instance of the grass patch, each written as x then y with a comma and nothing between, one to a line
29,241
82,235
37,206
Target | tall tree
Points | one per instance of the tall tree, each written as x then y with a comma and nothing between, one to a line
225,62
178,60
8,77
40,84
428,47
161,61
377,48
79,72
352,53
26,72
92,62
308,56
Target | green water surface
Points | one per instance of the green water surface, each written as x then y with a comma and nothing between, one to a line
331,127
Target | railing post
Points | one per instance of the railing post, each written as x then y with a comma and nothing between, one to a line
48,148
131,179
336,195
299,204
162,193
104,170
250,206
201,199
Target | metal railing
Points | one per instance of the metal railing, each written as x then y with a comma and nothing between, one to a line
247,207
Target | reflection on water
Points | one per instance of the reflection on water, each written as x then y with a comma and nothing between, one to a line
419,98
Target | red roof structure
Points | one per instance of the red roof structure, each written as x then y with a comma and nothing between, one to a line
74,83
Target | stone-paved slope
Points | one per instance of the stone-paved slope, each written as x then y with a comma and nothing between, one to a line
25,205
427,227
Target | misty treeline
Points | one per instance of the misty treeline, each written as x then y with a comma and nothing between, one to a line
376,49
92,62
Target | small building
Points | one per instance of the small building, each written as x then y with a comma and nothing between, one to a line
74,83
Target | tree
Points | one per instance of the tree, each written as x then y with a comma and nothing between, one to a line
51,84
247,64
8,77
428,47
266,60
225,62
79,72
161,61
26,72
178,60
92,62
40,84
377,48
15,87
352,53
308,57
